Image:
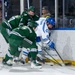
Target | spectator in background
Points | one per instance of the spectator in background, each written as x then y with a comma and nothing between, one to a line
45,12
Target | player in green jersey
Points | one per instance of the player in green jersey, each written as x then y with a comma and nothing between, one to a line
23,37
8,25
28,16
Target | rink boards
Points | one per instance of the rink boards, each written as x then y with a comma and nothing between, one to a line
64,39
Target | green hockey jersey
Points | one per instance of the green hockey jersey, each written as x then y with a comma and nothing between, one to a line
26,35
25,18
12,23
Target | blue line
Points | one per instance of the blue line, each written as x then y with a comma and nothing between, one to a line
63,29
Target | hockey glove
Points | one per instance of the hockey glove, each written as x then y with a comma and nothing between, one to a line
38,39
51,44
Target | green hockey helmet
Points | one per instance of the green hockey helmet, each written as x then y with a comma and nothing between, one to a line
31,8
32,24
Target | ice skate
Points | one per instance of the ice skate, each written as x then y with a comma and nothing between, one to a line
17,60
8,63
22,61
41,60
36,65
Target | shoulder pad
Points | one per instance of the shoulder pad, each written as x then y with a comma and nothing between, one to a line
17,16
24,27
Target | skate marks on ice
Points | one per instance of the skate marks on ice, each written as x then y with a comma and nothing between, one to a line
46,68
23,68
26,68
66,70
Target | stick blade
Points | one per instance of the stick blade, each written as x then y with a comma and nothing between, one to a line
68,64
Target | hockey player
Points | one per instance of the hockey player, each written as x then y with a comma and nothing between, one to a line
21,38
43,31
28,16
8,25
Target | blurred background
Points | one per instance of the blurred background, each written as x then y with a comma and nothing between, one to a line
62,10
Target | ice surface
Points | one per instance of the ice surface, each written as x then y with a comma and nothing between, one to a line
46,70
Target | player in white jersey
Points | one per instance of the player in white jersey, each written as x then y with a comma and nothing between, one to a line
43,31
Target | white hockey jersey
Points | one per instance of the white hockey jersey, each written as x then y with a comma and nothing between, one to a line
42,30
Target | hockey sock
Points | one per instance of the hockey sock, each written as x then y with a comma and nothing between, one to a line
33,55
17,53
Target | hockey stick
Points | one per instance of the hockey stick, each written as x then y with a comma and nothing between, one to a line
68,63
52,58
50,55
58,55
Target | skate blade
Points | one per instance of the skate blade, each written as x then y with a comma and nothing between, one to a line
39,67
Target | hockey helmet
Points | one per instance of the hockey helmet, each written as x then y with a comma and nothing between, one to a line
31,8
32,24
51,21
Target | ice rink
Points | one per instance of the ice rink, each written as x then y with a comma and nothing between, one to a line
46,70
